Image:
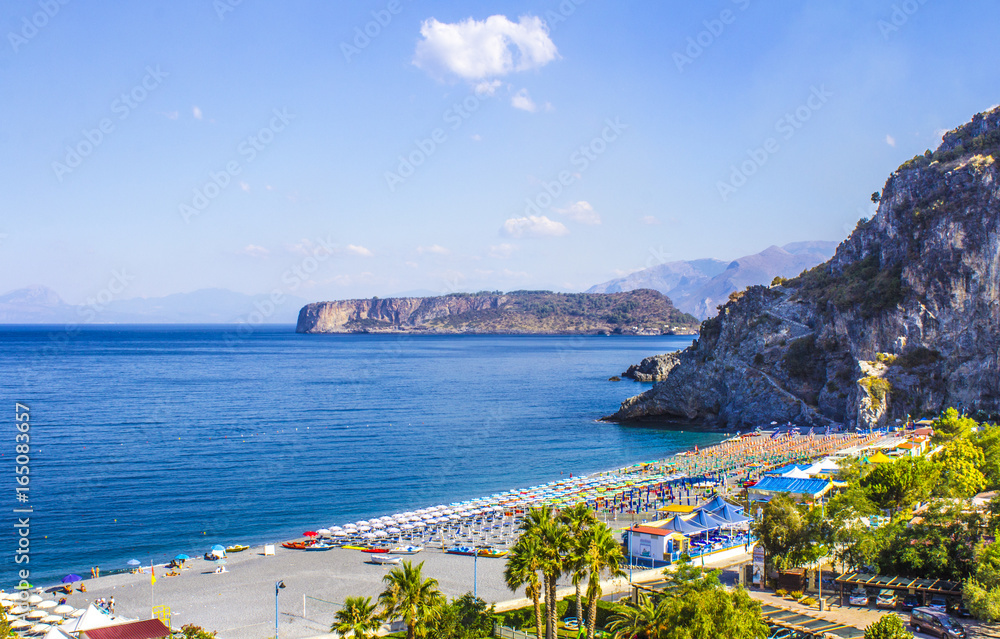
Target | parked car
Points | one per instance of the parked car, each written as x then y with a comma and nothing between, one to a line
886,599
858,598
958,609
939,604
936,623
910,602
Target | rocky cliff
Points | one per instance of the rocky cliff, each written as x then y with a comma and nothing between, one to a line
520,312
903,320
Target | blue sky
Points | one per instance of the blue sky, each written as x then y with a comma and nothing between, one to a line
266,147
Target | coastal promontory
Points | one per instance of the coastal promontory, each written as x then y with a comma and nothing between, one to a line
903,321
639,312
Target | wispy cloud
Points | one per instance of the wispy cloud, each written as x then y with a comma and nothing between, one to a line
533,226
196,112
435,249
502,251
521,100
354,249
255,251
475,50
649,220
891,141
581,212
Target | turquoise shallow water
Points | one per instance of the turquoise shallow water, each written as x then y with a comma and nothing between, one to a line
150,441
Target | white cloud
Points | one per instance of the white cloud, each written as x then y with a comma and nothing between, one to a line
245,186
196,112
171,115
533,226
649,220
502,251
476,50
891,141
354,249
476,137
487,87
436,249
255,251
581,212
523,101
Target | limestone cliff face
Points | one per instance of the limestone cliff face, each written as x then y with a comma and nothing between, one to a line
528,312
903,320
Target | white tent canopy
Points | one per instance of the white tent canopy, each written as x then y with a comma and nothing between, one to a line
91,618
796,473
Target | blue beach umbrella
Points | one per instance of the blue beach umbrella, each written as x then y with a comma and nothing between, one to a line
218,547
182,557
68,579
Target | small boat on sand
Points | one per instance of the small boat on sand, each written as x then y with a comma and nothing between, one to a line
406,550
353,547
320,546
236,548
491,552
385,559
468,551
375,549
297,545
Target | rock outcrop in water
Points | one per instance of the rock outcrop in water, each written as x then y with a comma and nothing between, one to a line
903,320
653,368
641,312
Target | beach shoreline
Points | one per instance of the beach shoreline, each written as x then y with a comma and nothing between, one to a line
239,603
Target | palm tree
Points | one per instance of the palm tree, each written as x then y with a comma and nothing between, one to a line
410,597
601,553
359,618
523,564
646,620
578,519
554,541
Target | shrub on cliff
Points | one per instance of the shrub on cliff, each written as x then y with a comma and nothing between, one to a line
876,387
864,285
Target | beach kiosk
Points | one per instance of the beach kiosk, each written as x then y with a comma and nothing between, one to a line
656,543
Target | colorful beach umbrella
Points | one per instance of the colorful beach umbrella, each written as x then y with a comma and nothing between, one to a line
71,578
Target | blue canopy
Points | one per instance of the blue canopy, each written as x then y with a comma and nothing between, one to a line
714,503
730,514
684,527
218,547
706,520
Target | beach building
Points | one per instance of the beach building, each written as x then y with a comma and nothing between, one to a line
146,629
801,490
657,542
712,527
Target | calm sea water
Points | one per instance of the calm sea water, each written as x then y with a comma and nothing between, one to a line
150,441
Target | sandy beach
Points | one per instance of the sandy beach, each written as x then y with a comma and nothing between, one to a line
239,604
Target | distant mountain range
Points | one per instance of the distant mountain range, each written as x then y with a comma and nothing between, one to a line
42,305
699,286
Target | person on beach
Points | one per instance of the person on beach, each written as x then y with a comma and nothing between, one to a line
111,604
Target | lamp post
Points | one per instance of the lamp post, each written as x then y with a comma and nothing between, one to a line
475,572
277,586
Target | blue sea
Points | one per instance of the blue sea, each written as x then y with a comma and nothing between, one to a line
151,441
